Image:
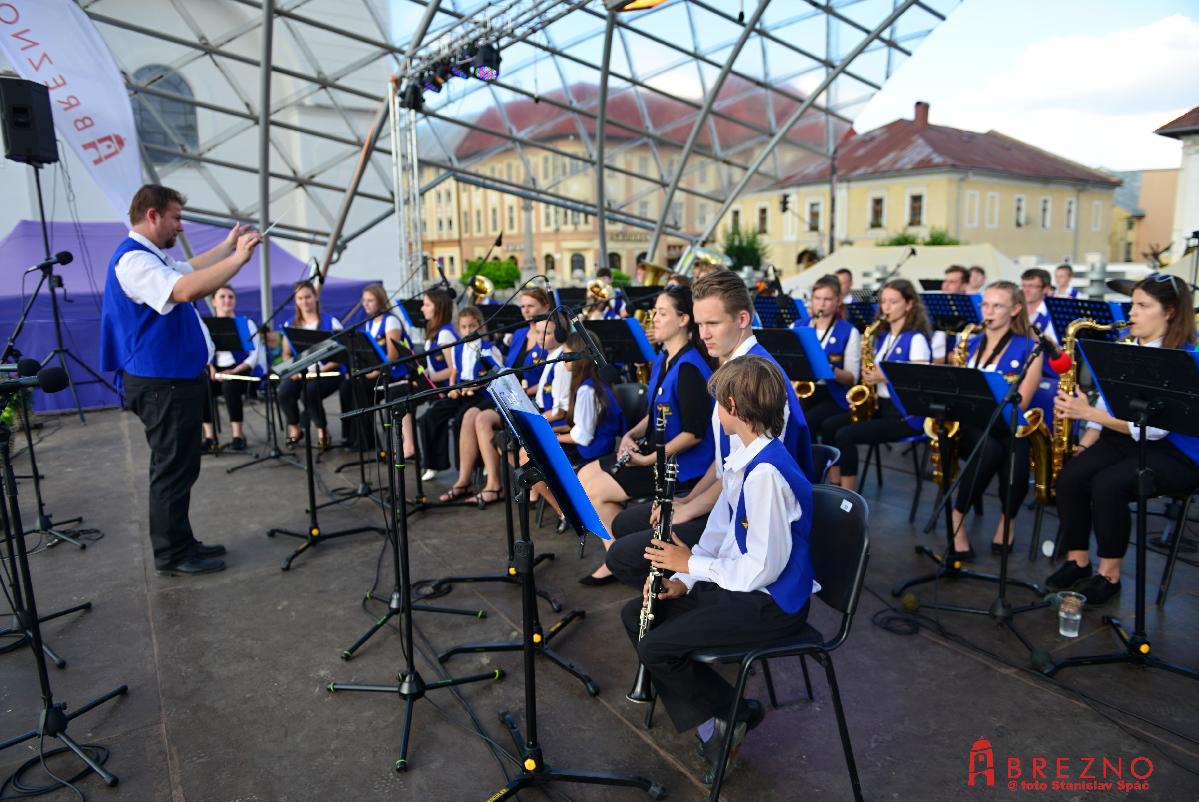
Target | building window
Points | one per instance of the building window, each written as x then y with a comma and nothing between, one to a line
495,218
578,265
439,225
1071,213
449,222
1021,214
916,209
161,122
643,166
453,269
1097,215
545,171
574,217
508,171
549,263
814,215
992,215
702,175
557,218
478,221
1046,211
735,220
466,222
643,209
511,218
972,208
676,213
878,211
613,261
763,219
701,215
547,216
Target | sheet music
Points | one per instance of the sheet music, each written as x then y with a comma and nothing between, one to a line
508,394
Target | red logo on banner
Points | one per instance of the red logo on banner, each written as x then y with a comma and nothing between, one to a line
105,147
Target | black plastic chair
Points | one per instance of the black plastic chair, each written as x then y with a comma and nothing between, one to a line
840,549
823,458
1175,537
633,400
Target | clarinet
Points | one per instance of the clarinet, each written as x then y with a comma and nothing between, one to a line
664,479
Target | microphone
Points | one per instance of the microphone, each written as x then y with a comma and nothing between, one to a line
1059,360
445,283
60,258
26,367
50,380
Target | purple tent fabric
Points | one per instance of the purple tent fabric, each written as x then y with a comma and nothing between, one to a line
92,244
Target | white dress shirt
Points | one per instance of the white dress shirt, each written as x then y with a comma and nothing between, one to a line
545,376
334,324
149,278
1134,431
469,370
716,557
586,415
223,360
1047,329
852,360
919,352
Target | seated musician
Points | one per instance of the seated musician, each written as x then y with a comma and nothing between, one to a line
469,361
1003,346
1036,287
747,580
321,381
722,311
678,379
1062,276
388,335
842,344
224,363
533,302
903,337
616,306
1099,483
978,279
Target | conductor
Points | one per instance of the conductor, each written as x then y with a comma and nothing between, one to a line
151,336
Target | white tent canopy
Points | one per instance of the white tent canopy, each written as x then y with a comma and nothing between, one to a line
870,264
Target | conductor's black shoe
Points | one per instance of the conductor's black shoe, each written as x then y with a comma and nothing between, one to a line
192,565
1069,575
1099,590
205,550
596,581
239,444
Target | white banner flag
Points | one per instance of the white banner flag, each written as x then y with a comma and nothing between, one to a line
54,43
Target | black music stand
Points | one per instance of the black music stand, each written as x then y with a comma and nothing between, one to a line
361,353
622,341
642,297
931,284
412,312
861,315
1154,387
1064,311
316,352
548,463
948,311
226,336
498,316
798,352
973,398
573,298
779,312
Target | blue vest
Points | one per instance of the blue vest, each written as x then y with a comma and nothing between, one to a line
1014,355
136,339
438,360
834,348
1188,444
693,462
376,331
519,338
608,429
546,400
796,437
793,586
614,305
483,363
900,352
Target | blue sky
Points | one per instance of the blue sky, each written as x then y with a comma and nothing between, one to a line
1088,79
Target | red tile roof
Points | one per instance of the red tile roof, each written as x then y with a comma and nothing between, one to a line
1186,124
904,146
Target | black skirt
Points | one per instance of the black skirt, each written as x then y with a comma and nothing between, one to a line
637,481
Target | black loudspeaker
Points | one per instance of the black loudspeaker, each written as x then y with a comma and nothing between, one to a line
26,122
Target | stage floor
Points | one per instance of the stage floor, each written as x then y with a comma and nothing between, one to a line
227,673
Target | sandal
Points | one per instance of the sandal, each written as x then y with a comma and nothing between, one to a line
483,502
324,443
294,441
454,493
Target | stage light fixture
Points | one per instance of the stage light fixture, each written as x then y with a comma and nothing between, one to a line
430,82
486,63
631,5
412,99
460,64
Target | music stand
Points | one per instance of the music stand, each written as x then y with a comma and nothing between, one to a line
1064,311
412,315
548,463
973,398
499,316
226,336
931,284
1154,387
948,311
779,312
798,352
861,315
623,341
573,298
361,352
864,296
642,297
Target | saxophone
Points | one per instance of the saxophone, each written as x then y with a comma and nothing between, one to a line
1049,453
945,469
805,389
863,398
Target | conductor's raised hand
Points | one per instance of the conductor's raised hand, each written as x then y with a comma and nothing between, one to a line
234,234
246,243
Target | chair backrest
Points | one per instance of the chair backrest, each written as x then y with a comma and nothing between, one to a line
632,399
823,458
840,548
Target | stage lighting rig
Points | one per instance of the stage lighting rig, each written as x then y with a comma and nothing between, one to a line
486,63
412,99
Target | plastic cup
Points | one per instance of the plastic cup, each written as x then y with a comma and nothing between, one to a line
1069,613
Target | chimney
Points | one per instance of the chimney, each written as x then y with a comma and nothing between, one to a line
921,116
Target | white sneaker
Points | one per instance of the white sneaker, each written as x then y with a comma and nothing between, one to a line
428,474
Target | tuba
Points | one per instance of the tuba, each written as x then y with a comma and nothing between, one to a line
863,398
479,289
1049,452
945,467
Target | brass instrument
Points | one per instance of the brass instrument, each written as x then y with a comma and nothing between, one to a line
945,469
667,470
599,294
479,290
805,389
863,398
655,276
1048,453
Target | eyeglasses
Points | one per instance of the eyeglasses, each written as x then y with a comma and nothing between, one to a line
1160,278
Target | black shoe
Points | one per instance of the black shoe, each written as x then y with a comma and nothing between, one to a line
752,713
1069,575
1099,590
239,444
750,716
999,548
966,556
561,527
192,565
596,581
202,550
208,446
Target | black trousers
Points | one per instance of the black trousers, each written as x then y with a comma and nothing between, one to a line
170,409
1096,487
707,616
819,408
314,391
885,427
632,533
992,461
359,431
439,419
233,392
